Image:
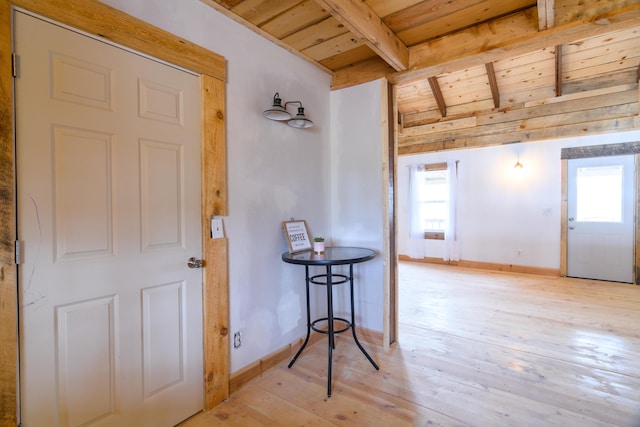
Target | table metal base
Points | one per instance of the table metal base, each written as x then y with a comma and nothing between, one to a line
329,280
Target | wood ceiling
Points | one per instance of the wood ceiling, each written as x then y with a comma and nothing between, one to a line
457,58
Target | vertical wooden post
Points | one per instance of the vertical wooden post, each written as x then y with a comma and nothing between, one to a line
8,279
215,292
564,173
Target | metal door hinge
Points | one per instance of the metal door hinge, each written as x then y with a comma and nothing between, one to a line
18,252
14,64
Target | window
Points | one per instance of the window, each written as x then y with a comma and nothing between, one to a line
433,195
599,194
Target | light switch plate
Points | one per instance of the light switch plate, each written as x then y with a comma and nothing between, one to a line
217,228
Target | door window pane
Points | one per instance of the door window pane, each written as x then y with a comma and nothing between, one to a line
599,194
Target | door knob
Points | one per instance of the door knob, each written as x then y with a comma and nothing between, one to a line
194,262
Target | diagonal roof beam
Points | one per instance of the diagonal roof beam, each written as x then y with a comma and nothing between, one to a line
493,84
437,94
361,20
559,70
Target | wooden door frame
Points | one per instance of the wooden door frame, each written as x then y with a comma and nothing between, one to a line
101,20
604,150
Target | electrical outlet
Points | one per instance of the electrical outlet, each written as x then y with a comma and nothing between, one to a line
237,340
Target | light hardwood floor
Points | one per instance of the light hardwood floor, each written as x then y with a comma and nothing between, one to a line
475,348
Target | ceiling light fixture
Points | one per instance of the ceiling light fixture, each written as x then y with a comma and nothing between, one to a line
280,113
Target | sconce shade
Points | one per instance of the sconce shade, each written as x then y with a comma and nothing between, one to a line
277,111
300,121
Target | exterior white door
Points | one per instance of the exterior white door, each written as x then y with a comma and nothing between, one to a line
600,214
108,176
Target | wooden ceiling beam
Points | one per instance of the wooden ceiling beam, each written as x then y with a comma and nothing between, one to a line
361,20
510,36
493,84
437,94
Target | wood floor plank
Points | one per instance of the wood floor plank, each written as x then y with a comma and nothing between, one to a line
475,348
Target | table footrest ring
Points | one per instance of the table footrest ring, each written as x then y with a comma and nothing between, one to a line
335,331
342,278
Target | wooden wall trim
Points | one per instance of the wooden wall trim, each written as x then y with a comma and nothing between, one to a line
215,280
564,208
104,21
8,279
636,270
603,150
99,19
260,367
512,268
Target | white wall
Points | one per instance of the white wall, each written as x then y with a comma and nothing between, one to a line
356,190
501,212
274,172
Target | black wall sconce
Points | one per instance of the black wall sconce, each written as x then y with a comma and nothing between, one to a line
279,112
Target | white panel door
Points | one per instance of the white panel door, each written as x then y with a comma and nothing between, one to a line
600,215
108,175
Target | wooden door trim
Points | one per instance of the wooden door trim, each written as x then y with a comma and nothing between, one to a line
101,20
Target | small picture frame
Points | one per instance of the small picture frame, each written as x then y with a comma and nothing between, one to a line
297,235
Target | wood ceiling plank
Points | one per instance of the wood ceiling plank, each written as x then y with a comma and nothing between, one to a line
354,56
461,19
341,44
363,22
260,11
315,34
512,68
426,12
455,111
603,81
571,11
464,87
581,95
382,8
601,70
295,19
526,94
610,51
214,5
441,126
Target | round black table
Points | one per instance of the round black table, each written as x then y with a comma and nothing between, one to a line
331,256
